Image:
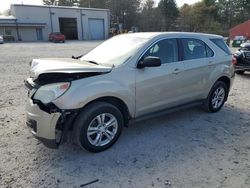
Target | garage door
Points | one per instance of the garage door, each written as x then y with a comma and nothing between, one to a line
96,29
68,27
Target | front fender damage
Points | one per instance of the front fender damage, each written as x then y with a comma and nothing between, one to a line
63,125
67,117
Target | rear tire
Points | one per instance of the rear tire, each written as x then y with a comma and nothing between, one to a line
98,126
240,72
216,97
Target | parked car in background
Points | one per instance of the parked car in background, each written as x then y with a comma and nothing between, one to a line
238,40
242,58
56,37
130,76
1,39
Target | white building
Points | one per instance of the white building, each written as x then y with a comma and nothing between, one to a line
34,23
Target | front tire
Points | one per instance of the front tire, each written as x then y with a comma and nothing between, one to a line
217,97
98,126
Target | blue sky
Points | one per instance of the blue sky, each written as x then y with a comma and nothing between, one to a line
5,4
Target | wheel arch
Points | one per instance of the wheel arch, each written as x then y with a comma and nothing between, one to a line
226,80
117,102
223,78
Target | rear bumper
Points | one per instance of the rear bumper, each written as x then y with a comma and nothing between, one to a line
43,124
242,67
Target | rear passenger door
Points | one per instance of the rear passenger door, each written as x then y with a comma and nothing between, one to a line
197,57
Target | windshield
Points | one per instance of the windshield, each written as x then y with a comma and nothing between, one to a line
116,50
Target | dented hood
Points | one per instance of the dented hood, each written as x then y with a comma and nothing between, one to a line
64,65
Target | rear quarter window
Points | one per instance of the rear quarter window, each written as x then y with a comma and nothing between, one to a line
222,45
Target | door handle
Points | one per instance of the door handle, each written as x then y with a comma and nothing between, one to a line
176,71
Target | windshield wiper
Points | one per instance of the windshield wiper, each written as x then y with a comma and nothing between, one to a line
76,57
93,62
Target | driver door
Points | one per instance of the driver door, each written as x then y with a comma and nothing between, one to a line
160,87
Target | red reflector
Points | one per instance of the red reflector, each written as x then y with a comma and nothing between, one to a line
64,86
234,60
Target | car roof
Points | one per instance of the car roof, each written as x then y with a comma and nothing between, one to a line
173,34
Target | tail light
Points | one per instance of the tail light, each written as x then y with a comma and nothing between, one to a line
234,60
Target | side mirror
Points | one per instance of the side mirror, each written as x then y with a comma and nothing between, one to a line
149,61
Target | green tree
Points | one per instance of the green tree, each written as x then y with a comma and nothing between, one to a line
185,20
60,2
148,5
225,12
200,17
170,12
149,17
242,11
67,2
126,11
233,12
93,3
49,2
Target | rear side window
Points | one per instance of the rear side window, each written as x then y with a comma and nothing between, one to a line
222,45
195,49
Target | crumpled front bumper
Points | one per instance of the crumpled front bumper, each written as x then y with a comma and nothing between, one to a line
43,124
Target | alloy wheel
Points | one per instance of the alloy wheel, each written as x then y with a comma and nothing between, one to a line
102,129
218,97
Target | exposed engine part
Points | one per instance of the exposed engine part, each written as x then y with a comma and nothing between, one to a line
48,78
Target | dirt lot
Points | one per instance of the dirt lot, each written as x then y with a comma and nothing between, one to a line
184,149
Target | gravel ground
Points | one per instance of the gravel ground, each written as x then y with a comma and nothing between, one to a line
185,149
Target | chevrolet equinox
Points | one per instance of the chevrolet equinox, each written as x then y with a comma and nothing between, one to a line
128,77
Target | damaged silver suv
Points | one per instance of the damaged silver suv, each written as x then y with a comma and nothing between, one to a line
130,76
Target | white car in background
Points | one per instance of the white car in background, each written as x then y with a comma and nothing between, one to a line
1,39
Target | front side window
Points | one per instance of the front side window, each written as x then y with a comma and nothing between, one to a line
166,50
195,49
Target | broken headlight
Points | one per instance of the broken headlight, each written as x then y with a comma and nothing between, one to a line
50,92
